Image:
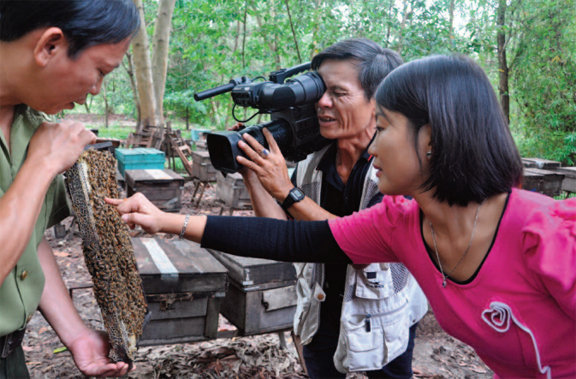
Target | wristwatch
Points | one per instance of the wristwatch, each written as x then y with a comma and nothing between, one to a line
295,195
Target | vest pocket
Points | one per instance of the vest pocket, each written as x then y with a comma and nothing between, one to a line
366,349
397,336
369,342
374,282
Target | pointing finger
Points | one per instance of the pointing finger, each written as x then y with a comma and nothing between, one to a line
112,201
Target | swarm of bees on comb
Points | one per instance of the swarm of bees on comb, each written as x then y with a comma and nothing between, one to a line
108,251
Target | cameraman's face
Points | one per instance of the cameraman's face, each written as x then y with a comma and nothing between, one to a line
343,110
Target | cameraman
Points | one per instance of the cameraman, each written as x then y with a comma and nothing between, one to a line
337,181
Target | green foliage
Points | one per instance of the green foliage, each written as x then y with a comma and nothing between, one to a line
213,41
548,144
115,131
183,101
545,68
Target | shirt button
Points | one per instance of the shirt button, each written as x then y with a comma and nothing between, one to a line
320,296
23,275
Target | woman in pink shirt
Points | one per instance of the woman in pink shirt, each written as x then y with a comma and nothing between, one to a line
498,264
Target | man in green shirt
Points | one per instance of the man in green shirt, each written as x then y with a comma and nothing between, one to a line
54,53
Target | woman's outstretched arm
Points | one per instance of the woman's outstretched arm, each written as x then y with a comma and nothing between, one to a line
290,241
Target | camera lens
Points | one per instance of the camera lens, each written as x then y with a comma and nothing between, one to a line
223,146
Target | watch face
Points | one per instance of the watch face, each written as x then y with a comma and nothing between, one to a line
297,194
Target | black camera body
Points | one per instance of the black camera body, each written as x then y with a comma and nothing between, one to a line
293,124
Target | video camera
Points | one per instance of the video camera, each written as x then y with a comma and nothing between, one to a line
294,124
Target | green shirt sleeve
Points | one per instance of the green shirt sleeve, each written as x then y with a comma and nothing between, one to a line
21,290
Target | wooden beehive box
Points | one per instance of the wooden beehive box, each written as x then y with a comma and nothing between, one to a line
139,158
543,181
231,190
261,295
202,168
184,285
569,182
161,187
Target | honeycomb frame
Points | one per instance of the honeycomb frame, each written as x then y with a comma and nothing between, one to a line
108,251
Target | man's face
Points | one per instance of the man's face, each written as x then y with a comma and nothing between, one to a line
68,81
343,111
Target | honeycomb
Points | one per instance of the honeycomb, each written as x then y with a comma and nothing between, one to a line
108,251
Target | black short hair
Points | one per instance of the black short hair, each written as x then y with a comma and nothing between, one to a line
375,62
84,23
473,153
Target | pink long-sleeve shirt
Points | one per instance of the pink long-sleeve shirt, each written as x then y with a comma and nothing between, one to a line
519,310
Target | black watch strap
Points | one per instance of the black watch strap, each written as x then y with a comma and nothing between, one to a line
295,195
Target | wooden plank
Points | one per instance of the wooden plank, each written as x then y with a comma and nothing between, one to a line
567,171
540,163
152,176
543,181
256,271
178,266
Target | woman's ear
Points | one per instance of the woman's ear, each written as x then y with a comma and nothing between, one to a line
425,140
50,43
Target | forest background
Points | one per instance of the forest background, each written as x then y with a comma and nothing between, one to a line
527,48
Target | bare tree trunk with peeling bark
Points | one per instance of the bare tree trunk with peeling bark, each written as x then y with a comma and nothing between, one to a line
161,44
143,75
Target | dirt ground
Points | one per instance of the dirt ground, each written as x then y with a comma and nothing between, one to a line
436,355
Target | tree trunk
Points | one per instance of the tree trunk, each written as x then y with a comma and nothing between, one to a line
129,67
143,74
502,63
161,44
244,34
293,33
